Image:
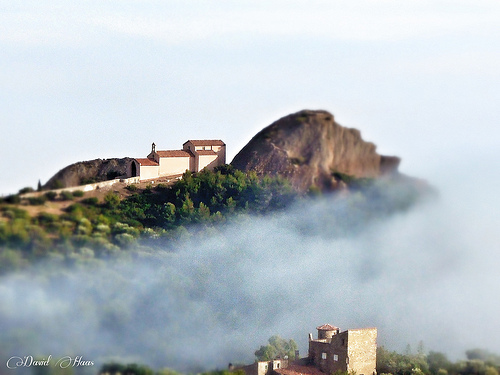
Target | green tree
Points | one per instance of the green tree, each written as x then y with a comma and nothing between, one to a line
277,347
437,361
112,200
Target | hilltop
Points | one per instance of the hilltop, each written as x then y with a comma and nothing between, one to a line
311,150
297,157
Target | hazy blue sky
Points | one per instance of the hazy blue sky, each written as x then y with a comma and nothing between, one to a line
98,79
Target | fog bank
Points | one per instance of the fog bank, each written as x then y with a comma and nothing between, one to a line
428,274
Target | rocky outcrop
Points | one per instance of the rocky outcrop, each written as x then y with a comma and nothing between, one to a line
88,171
311,150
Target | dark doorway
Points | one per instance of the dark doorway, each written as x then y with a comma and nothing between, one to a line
134,170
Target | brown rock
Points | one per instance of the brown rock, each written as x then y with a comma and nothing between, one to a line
88,171
310,149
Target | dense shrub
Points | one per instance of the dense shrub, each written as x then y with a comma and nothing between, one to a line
51,195
92,201
112,200
37,201
66,195
132,187
26,190
78,193
12,199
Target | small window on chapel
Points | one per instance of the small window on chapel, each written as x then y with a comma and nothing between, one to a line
335,357
323,355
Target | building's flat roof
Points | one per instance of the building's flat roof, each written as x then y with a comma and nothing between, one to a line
206,142
173,154
206,152
147,162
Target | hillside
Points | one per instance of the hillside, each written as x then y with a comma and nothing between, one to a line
296,158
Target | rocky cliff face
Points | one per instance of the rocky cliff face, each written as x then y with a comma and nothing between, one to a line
311,150
88,172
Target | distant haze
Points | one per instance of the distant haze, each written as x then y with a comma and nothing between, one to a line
429,274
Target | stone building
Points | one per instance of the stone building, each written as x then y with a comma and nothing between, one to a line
352,351
194,156
265,367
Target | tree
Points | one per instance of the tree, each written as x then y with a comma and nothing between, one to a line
483,355
437,361
277,347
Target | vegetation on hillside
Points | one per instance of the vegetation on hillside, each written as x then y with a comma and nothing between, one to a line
156,217
478,362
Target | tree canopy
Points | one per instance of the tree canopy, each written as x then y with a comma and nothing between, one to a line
277,348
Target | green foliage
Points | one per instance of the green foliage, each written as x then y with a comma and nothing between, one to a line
112,200
37,201
480,362
51,195
132,187
401,364
277,348
66,195
89,230
25,190
88,180
438,361
78,193
12,199
158,218
92,201
483,355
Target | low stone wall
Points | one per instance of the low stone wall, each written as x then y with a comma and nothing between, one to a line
87,187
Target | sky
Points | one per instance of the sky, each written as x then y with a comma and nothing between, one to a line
420,79
101,79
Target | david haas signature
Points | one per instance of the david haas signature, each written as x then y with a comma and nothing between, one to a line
64,362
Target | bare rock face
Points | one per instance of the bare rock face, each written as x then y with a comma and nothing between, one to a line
88,171
311,150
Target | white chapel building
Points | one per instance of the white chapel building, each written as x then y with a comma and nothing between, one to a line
194,156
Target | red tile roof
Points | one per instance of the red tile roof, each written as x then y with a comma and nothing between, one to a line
206,142
173,154
299,370
146,162
206,152
327,327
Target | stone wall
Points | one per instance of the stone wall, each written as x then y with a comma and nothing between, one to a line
88,187
362,351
